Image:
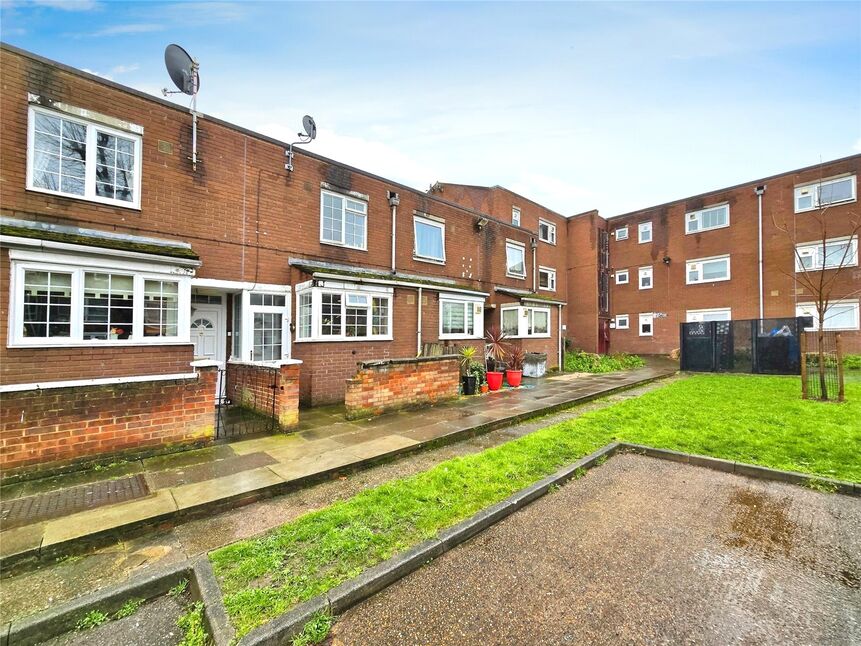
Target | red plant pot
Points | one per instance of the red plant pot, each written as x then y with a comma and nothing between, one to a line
513,377
494,380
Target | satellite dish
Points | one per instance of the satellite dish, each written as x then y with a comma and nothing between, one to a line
310,126
182,69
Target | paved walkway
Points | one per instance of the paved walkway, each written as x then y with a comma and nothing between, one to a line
48,515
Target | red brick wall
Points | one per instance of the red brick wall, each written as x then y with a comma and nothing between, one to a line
266,390
670,294
43,430
401,383
581,315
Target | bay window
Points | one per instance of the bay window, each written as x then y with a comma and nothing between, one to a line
460,318
339,312
525,321
70,156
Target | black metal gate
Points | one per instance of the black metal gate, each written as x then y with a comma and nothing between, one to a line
756,346
246,403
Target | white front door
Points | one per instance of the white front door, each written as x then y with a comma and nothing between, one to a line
208,336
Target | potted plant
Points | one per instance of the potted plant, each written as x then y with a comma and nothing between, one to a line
514,374
494,356
468,380
477,370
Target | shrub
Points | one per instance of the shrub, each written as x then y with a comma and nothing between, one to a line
477,370
852,361
588,362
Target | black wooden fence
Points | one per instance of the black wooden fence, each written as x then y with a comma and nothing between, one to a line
755,346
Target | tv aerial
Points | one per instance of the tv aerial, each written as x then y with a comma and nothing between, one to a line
307,137
183,71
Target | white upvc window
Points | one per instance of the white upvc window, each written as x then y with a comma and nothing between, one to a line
644,275
57,300
824,193
525,321
644,232
712,217
76,158
429,239
647,324
546,231
515,216
708,315
707,270
622,321
515,259
344,312
461,318
837,252
621,233
547,279
343,220
622,277
840,315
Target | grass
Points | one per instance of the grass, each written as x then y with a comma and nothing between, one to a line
93,619
315,630
192,626
588,362
129,608
747,418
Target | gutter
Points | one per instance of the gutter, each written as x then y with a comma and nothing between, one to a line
397,283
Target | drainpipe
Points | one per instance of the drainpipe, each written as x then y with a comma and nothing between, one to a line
561,363
394,200
759,190
534,262
419,327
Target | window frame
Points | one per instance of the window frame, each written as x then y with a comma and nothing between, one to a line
344,290
698,218
643,272
618,320
646,318
344,197
817,187
700,261
551,231
526,320
516,220
620,272
432,222
617,232
853,303
92,127
514,244
709,310
641,228
816,247
78,267
551,283
477,305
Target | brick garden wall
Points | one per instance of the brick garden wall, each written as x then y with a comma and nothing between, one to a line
45,430
266,390
401,383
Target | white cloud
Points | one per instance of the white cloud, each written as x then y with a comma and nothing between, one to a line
95,73
134,28
68,5
125,69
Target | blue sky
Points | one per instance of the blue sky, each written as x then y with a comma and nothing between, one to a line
613,106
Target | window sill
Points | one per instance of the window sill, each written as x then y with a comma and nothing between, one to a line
707,282
131,206
515,276
531,336
691,233
346,339
459,337
546,241
827,206
343,246
645,288
546,289
100,344
432,261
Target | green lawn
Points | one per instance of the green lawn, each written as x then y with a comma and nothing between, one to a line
752,419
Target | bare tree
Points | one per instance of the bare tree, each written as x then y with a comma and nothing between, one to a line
820,274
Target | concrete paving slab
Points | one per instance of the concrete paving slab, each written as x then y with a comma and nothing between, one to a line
200,493
297,451
296,469
21,540
107,518
381,446
184,459
267,443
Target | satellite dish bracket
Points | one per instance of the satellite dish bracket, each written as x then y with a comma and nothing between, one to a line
306,138
183,71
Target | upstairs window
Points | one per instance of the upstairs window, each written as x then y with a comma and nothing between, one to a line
515,258
644,232
622,277
824,193
840,315
72,157
647,324
621,233
546,231
515,216
837,252
429,239
708,270
343,221
547,279
645,276
622,321
713,217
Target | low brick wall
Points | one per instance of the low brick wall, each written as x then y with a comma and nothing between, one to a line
45,430
270,390
381,386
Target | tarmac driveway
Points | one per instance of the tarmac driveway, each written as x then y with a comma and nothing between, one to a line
639,551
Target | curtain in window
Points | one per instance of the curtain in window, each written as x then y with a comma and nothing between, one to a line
428,241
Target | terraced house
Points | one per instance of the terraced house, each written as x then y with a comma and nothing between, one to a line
140,290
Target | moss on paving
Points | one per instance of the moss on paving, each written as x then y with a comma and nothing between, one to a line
754,419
